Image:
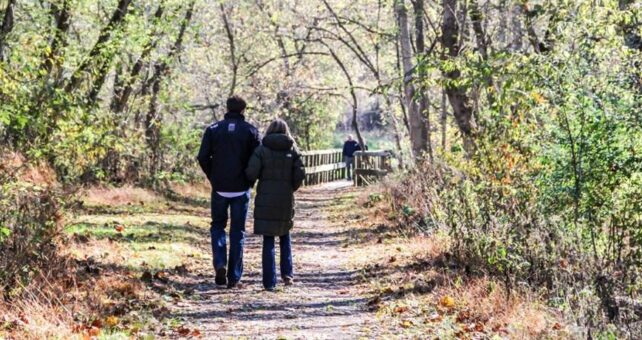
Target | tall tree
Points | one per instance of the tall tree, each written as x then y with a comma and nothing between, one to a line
154,117
123,91
423,126
234,58
418,133
457,94
98,59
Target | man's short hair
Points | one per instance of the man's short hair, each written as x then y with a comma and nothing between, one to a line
236,104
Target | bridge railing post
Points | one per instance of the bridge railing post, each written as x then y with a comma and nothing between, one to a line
371,166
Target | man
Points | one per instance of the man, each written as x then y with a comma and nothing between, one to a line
349,148
225,152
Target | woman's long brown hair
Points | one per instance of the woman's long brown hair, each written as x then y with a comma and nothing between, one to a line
278,126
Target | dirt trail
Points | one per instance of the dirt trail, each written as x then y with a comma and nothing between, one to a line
324,303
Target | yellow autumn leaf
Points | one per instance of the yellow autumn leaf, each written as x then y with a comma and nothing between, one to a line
447,301
406,324
111,321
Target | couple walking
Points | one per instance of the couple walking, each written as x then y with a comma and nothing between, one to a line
233,157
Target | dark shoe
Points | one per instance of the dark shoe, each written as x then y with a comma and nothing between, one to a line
231,285
288,281
220,277
270,289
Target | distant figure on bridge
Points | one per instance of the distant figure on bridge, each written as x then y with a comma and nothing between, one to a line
224,154
277,165
349,148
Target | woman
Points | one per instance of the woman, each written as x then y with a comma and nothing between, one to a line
277,166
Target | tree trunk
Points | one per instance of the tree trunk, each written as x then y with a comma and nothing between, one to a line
424,101
517,30
353,95
52,60
477,18
124,91
233,59
459,100
418,133
154,118
503,24
444,120
7,27
153,121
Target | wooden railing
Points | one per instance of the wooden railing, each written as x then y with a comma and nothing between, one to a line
371,166
323,166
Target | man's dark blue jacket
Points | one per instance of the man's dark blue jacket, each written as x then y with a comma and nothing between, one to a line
350,147
225,152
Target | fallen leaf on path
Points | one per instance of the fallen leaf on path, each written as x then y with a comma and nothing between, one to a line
557,326
447,301
119,228
183,331
406,324
112,321
401,309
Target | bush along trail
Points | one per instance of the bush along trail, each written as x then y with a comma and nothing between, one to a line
142,268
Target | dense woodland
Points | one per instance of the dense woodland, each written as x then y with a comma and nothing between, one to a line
516,124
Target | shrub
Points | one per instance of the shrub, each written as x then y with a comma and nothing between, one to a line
30,227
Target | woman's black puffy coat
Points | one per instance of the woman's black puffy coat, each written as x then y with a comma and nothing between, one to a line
277,165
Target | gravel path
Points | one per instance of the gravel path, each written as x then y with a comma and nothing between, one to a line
324,303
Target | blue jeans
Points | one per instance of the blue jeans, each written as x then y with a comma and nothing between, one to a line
269,264
238,208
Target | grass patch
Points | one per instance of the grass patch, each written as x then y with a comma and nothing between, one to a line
127,251
141,242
